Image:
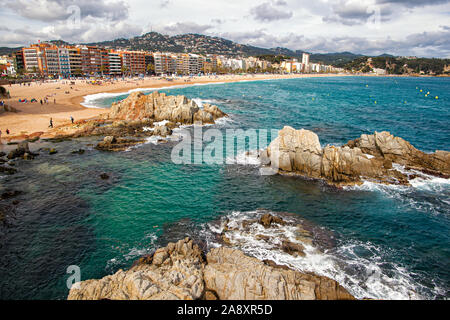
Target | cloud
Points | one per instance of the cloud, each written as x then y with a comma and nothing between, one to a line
183,27
268,12
414,3
164,3
352,12
58,10
89,31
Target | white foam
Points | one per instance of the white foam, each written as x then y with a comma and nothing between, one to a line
247,158
363,277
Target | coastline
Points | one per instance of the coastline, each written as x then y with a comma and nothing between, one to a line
66,100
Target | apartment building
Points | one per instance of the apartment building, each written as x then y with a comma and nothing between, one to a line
133,62
94,60
32,60
75,61
64,61
165,63
115,63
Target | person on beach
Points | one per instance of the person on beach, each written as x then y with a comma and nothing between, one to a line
41,102
71,119
7,131
54,101
51,123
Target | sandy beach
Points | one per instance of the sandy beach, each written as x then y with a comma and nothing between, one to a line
64,100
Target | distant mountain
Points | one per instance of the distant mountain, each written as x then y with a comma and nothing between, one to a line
193,43
202,44
335,59
7,50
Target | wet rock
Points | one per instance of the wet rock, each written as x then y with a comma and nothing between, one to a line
119,144
110,140
267,219
294,249
79,151
21,149
7,170
162,131
8,194
104,176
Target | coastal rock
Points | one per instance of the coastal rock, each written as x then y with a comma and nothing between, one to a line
7,170
174,273
120,144
21,149
159,107
179,271
369,157
398,150
232,275
267,219
162,131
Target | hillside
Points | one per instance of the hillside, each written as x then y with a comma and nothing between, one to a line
399,65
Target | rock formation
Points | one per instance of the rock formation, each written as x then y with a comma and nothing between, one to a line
159,107
172,273
142,116
179,271
369,157
234,276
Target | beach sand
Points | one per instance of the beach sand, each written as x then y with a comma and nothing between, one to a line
64,101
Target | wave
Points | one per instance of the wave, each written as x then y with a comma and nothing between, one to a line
246,158
367,275
425,193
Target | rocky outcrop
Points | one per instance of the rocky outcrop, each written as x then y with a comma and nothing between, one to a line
370,157
179,271
171,273
110,143
234,276
158,106
142,116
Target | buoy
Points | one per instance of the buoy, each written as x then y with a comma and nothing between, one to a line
421,90
375,102
428,92
437,97
367,85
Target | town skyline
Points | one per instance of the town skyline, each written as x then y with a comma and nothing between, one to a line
370,27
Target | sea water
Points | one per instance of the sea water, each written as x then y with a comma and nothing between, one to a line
389,242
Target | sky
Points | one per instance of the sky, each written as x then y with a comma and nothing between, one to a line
371,27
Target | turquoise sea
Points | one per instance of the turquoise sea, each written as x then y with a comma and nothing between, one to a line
389,242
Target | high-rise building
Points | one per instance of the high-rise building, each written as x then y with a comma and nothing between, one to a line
115,63
64,61
76,68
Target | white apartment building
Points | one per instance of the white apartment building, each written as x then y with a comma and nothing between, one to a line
115,63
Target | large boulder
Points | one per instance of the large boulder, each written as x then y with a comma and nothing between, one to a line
368,157
232,275
172,273
19,152
159,107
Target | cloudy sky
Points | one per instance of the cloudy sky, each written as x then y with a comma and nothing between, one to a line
400,27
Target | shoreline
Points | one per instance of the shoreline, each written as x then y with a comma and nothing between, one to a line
66,100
